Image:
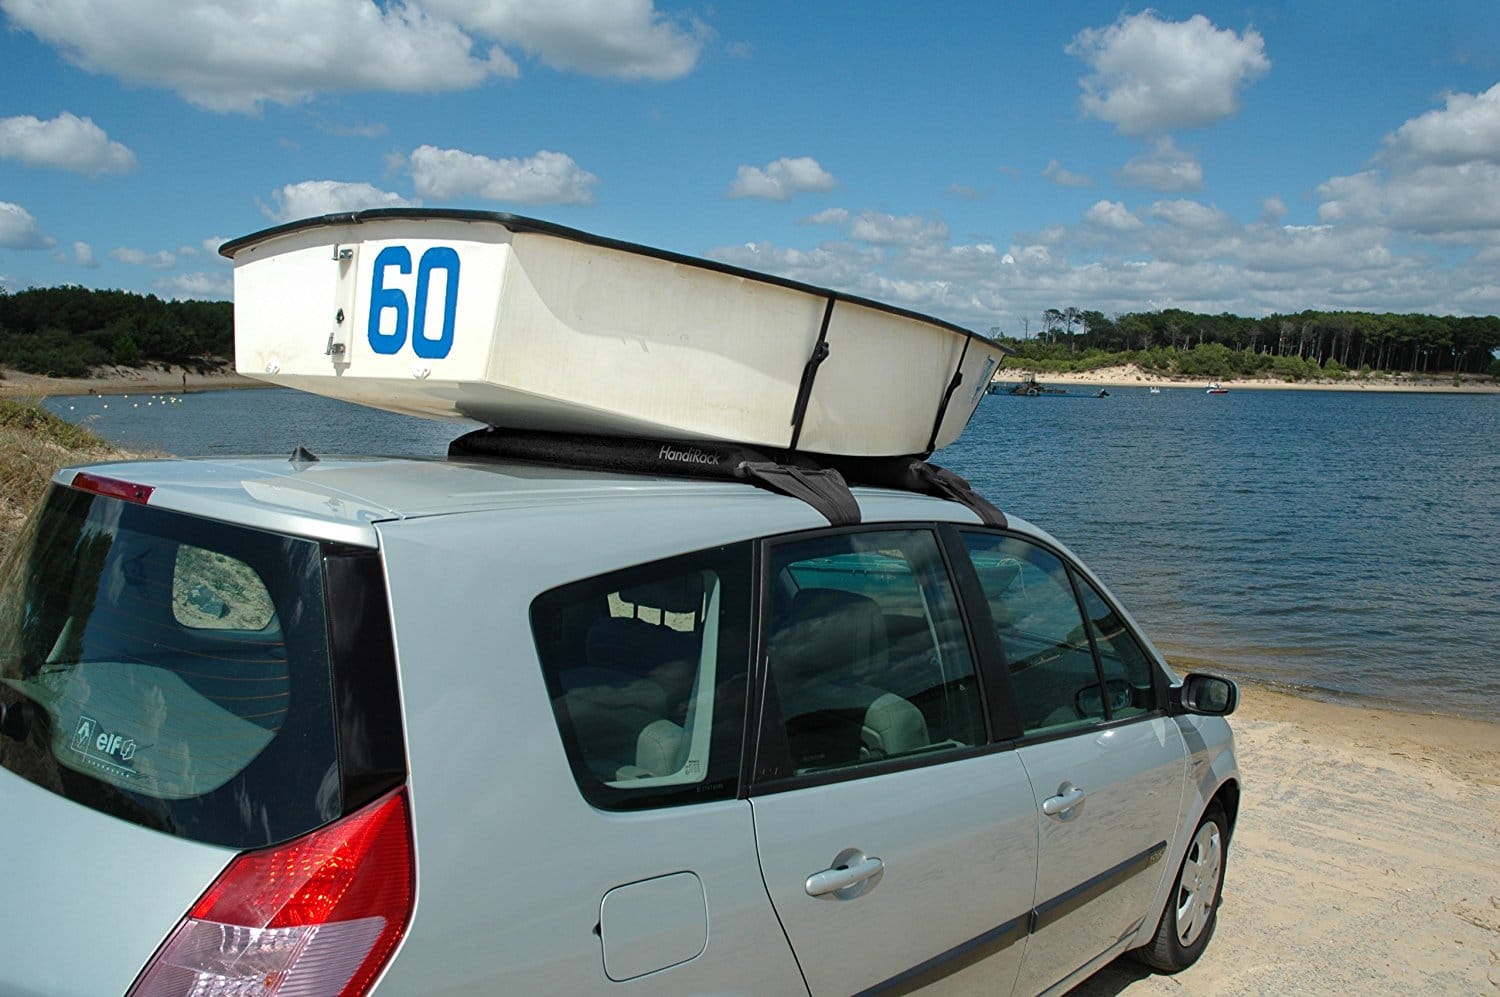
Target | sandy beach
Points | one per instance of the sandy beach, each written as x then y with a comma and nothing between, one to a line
1131,376
1366,859
124,381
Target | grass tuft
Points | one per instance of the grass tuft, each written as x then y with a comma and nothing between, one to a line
34,443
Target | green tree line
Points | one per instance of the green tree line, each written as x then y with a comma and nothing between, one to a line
65,331
1310,343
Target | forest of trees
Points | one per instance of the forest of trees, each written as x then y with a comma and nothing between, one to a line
1297,346
65,331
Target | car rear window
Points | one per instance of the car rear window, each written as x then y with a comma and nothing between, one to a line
169,670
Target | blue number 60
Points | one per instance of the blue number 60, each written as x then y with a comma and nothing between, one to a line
393,299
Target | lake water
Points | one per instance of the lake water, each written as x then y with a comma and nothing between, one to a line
1342,544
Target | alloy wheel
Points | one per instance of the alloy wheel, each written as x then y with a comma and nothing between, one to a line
1198,887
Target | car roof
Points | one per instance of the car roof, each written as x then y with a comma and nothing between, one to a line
341,498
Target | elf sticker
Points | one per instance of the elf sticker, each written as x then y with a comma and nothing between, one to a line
104,749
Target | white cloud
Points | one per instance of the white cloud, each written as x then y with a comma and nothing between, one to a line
159,260
1189,214
546,178
1438,176
1165,168
18,230
235,55
780,180
1151,75
1466,130
1445,200
1112,215
1272,209
1177,252
828,216
1351,198
625,38
323,197
897,230
1063,177
212,286
67,142
83,256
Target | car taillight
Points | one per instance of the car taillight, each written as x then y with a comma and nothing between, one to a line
112,487
318,915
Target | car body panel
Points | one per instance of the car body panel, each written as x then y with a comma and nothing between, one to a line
517,863
958,843
88,897
1102,863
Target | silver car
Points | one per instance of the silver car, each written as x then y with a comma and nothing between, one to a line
475,725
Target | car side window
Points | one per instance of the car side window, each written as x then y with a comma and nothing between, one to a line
1127,670
867,651
1042,633
646,670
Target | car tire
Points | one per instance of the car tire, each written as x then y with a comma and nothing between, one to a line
1192,909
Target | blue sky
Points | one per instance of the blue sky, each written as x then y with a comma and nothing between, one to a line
979,161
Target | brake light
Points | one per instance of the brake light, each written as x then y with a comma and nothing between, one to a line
112,487
318,915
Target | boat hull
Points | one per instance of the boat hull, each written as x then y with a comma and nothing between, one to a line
518,324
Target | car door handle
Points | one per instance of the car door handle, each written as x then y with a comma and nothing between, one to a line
847,882
1068,797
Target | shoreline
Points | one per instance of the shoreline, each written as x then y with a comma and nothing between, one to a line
1131,376
165,379
124,380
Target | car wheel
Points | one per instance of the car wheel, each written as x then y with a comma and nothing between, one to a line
1192,908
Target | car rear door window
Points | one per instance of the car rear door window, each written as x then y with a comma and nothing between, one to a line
867,651
1043,634
646,671
1126,669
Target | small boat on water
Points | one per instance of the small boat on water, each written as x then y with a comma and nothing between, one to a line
1215,388
1031,388
1155,390
526,325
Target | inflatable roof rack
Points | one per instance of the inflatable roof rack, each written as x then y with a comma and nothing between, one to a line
819,480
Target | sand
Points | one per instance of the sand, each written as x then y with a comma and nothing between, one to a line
1132,377
1366,859
123,381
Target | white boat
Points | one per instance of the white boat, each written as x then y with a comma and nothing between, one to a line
1215,388
525,325
1155,390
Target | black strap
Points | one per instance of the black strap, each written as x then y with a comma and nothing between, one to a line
821,481
944,483
810,374
958,378
825,490
913,474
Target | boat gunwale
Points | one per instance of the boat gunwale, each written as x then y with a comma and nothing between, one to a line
520,223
